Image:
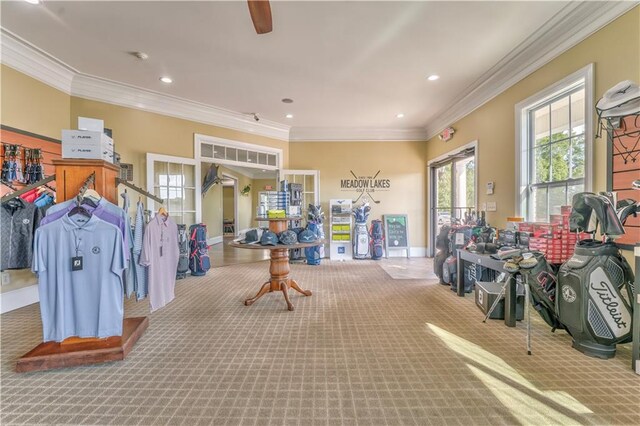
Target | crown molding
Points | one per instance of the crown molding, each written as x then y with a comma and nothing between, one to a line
103,90
355,134
574,23
22,56
32,61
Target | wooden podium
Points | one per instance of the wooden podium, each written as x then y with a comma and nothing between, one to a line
71,175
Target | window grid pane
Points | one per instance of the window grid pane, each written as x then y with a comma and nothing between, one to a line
556,152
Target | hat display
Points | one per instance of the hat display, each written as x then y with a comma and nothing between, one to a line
307,236
251,236
622,99
269,238
288,237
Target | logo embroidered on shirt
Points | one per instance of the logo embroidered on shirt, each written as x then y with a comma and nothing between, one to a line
25,221
95,250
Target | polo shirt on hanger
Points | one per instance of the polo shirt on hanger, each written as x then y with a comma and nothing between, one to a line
19,221
101,211
87,302
160,252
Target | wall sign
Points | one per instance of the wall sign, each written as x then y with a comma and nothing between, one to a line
396,232
365,184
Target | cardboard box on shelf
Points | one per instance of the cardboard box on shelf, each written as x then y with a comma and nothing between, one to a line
87,145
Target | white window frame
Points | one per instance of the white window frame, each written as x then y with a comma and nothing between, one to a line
152,158
199,139
522,109
316,181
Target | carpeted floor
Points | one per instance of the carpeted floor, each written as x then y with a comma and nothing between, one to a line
364,349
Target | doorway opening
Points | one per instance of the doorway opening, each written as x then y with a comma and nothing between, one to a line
229,205
453,189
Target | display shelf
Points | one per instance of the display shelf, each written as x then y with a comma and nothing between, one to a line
340,216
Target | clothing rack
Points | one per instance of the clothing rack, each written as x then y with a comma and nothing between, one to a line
28,188
8,185
139,190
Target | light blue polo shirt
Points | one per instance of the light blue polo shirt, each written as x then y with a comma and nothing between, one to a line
84,303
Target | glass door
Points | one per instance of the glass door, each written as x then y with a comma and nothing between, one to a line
453,190
174,180
310,181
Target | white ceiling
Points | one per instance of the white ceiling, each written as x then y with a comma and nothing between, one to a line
345,64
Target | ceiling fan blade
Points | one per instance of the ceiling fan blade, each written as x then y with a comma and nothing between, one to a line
260,11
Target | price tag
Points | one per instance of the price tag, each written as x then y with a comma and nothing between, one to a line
76,263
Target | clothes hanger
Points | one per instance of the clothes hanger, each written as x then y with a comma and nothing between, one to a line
92,193
78,209
162,211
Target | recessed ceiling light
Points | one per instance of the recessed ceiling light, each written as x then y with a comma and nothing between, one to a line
166,80
33,1
433,77
399,115
287,101
289,115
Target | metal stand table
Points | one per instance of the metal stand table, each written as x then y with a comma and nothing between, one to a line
496,265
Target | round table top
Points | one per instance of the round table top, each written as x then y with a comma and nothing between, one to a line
275,219
258,246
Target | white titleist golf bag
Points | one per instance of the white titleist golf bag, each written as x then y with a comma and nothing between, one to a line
595,286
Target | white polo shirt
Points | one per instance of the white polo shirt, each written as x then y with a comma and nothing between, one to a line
87,302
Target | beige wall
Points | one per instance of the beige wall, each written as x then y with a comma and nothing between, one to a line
401,162
27,104
227,202
615,52
137,132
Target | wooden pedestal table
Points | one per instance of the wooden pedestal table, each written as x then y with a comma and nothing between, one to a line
279,265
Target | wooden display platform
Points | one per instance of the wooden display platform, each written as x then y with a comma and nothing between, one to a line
50,355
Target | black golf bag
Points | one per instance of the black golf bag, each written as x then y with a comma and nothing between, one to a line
543,285
459,238
592,304
377,239
442,245
183,245
594,290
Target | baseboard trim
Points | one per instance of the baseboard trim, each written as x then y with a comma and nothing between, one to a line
413,252
214,240
19,298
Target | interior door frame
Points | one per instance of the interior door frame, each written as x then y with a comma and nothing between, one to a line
431,221
235,202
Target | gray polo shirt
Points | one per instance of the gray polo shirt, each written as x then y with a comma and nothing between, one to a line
87,302
19,221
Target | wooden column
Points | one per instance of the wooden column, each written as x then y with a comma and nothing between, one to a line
72,173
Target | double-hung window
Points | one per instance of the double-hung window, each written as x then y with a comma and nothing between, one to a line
554,155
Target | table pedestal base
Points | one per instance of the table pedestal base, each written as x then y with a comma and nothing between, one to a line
279,281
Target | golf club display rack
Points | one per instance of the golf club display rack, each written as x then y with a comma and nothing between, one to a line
340,228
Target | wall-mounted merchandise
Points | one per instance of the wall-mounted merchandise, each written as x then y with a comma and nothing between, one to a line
340,228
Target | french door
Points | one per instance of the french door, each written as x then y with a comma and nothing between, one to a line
176,180
453,191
